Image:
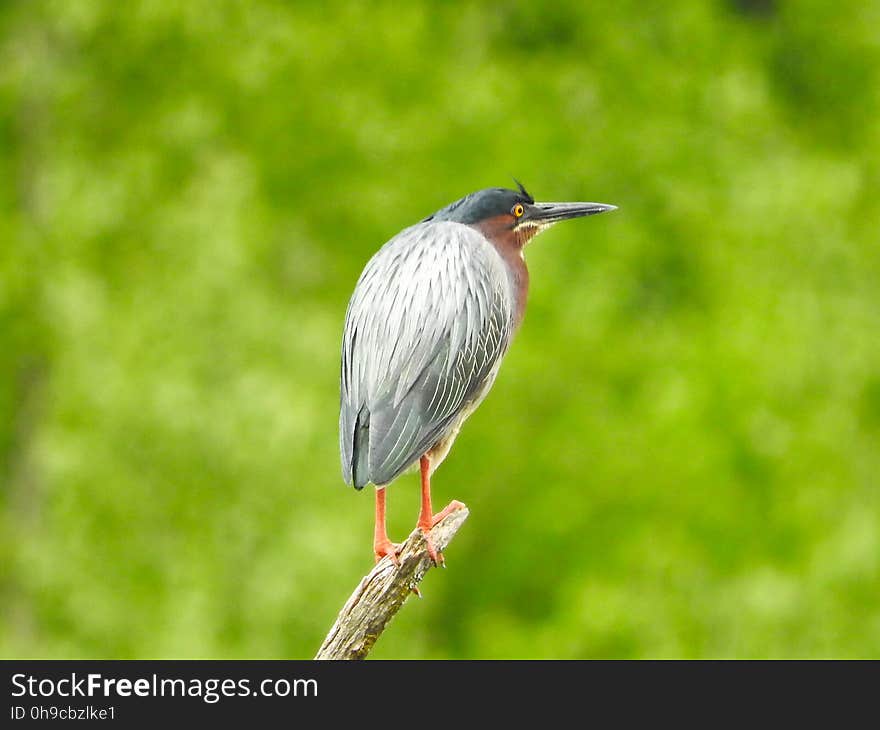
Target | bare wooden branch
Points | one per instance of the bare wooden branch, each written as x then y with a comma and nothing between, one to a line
383,591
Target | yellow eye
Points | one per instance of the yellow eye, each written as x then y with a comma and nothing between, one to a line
518,210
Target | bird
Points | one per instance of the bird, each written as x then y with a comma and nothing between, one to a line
430,320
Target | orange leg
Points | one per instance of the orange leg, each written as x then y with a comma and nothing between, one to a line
427,519
382,546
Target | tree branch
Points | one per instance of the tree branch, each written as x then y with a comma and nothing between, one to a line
383,591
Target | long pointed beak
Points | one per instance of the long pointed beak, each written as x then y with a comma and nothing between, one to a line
555,212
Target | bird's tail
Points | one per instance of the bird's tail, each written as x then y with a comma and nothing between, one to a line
361,450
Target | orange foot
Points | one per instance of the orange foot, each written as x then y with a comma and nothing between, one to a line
434,554
386,549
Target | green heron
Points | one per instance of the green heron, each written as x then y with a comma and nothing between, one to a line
428,324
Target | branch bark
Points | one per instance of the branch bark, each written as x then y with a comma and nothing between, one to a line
383,591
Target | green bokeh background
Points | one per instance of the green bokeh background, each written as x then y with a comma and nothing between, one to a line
680,456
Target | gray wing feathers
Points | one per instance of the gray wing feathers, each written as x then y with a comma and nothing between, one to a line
429,319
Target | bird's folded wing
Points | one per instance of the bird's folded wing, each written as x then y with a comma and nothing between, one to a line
427,323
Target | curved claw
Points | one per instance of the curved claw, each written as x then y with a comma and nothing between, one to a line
435,555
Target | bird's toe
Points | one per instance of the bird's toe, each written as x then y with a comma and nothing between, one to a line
433,553
387,549
453,506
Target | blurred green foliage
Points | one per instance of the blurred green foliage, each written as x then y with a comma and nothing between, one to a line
680,457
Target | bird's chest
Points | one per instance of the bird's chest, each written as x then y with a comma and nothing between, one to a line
518,276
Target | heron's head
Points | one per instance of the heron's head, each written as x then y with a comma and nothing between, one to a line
512,215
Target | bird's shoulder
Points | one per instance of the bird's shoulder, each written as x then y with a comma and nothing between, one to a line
429,244
427,272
